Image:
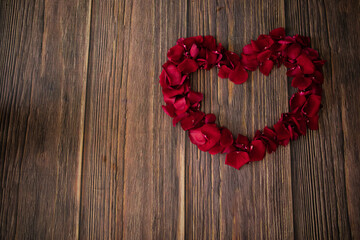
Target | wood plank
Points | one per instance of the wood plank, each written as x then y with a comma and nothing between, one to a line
133,167
325,164
43,66
255,202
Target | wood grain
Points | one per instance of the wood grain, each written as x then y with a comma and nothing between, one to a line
43,78
87,152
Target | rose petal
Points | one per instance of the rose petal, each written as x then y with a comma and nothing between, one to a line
263,56
249,50
277,33
173,74
257,150
226,138
197,137
210,118
295,71
301,82
169,110
306,64
194,97
266,67
313,123
224,71
175,53
312,106
181,105
237,159
297,101
239,75
293,51
281,131
194,51
187,66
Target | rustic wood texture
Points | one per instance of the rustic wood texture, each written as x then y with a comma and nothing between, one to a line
87,152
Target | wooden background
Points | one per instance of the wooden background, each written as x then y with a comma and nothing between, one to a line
87,152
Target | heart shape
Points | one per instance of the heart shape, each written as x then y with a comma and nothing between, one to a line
183,104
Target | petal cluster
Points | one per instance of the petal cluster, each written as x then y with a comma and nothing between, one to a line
274,49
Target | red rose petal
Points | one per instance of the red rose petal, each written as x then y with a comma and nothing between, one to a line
216,149
210,118
188,66
226,138
224,71
169,110
306,64
242,140
263,56
295,71
194,51
195,97
293,51
312,106
266,67
277,33
313,123
249,50
257,150
175,53
297,101
281,132
239,75
173,74
197,137
237,159
301,82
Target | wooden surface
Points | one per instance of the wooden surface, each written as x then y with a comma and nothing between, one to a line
87,152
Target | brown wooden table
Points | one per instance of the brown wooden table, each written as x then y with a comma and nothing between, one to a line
87,152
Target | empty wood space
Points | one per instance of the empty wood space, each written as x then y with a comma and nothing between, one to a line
87,152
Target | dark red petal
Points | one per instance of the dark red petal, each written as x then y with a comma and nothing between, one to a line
175,53
224,71
210,118
295,71
216,149
194,97
209,42
301,82
194,51
297,101
169,110
306,64
180,117
263,56
241,139
226,138
181,105
312,106
188,66
266,67
174,76
318,77
281,132
313,123
293,51
212,134
229,149
249,62
249,50
197,137
237,159
239,75
257,150
277,33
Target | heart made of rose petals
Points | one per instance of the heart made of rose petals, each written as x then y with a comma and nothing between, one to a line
183,104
